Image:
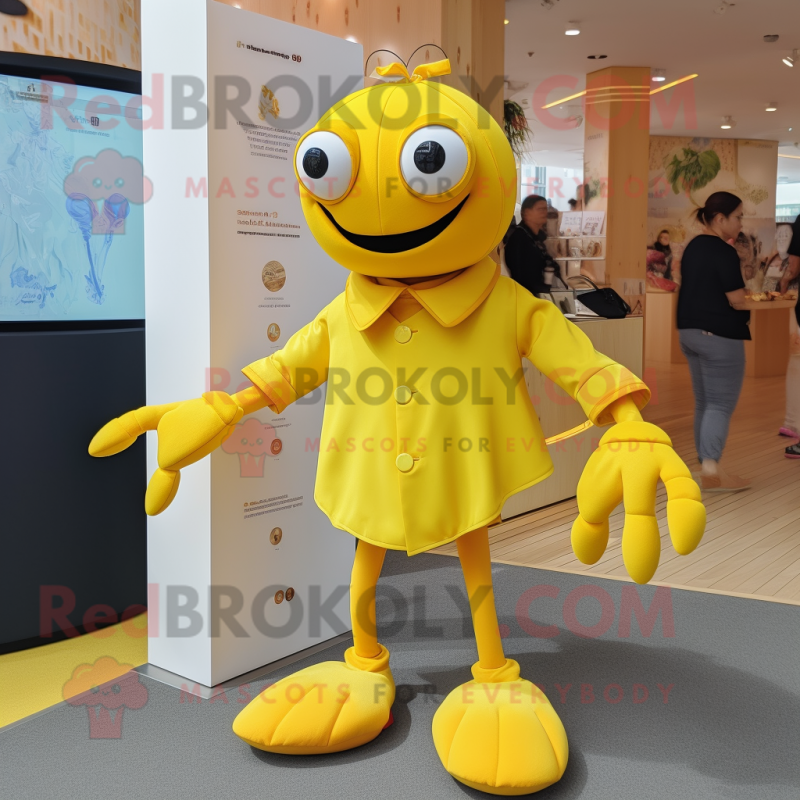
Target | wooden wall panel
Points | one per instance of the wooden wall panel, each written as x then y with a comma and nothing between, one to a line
473,36
106,31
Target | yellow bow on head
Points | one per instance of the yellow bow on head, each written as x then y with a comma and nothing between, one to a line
397,72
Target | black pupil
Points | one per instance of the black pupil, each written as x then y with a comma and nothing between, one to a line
429,157
315,162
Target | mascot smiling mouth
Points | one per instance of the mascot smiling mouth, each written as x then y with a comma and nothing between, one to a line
397,242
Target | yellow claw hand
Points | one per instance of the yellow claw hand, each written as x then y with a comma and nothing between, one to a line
187,432
122,432
626,467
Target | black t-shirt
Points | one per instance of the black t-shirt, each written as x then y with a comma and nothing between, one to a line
710,268
527,257
794,250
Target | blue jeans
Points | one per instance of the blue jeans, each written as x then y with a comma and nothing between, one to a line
717,368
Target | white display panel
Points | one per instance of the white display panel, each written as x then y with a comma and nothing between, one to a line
247,274
71,197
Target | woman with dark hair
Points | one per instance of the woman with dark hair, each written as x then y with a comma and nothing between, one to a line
527,259
713,325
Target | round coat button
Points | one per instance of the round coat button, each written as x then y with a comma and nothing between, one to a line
402,394
402,334
404,462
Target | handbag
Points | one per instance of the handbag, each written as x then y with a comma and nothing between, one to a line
604,302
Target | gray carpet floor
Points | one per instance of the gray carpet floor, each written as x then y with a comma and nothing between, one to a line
730,727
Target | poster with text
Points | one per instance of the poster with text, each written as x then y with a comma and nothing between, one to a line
269,278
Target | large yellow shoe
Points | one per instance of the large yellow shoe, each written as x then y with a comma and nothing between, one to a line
324,708
499,734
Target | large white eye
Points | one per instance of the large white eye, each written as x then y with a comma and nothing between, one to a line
433,160
324,165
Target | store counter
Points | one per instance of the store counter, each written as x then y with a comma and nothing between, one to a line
620,339
766,354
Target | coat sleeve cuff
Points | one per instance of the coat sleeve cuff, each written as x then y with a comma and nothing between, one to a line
272,382
605,386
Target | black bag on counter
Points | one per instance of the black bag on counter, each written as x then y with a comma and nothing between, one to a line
604,302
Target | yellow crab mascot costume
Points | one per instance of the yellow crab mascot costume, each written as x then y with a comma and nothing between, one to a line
409,185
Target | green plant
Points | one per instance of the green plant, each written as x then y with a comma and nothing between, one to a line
516,128
694,171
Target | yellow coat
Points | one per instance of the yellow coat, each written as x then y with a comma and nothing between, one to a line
428,426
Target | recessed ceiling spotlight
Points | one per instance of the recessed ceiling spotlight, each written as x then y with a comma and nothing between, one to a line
14,8
770,38
505,22
597,57
659,75
791,60
573,29
771,107
728,123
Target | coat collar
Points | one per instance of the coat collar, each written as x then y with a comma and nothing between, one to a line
449,303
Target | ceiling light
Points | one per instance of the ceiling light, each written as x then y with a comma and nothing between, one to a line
597,57
659,75
505,22
771,107
790,60
573,29
14,8
727,123
352,39
770,38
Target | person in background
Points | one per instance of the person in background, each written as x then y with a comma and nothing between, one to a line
713,326
777,262
526,256
791,425
662,246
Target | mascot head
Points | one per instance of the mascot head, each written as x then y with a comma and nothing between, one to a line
407,179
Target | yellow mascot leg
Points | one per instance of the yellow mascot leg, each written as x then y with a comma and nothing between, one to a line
497,733
334,705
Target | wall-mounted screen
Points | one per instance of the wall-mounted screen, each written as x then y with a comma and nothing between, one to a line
71,195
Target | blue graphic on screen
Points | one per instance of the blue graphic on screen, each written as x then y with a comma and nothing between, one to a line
72,190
